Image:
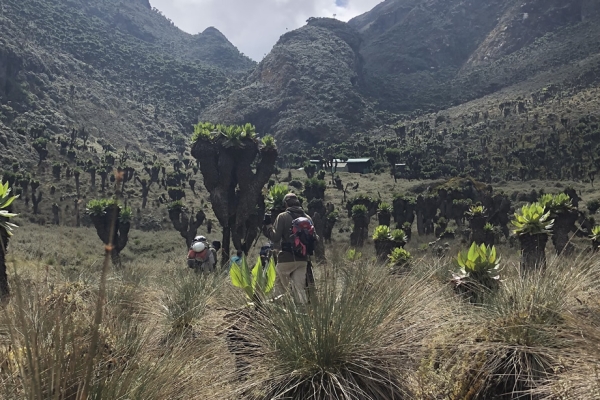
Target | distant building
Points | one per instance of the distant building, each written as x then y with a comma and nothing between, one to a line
352,165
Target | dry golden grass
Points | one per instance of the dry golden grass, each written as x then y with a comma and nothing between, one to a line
162,335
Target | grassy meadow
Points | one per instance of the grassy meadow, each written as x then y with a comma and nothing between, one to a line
167,333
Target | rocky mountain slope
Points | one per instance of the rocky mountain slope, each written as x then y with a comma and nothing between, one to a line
409,55
306,90
116,67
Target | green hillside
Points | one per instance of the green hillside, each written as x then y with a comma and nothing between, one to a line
118,68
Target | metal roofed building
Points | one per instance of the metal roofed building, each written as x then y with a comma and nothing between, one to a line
352,165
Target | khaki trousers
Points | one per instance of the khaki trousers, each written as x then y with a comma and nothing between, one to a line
294,274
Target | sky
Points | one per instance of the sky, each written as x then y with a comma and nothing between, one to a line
254,26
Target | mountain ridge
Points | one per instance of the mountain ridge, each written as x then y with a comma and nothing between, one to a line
429,55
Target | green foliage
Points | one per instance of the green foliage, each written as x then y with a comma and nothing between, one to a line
488,227
233,134
125,215
476,211
353,255
478,261
384,207
40,143
595,236
398,235
399,257
392,156
359,210
532,219
175,205
333,216
340,345
256,283
268,141
556,203
99,208
382,232
274,199
5,201
315,183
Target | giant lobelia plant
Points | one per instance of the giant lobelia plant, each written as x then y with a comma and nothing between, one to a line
258,282
235,166
478,271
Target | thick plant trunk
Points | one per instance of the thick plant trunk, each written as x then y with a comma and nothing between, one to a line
533,248
489,238
384,219
226,245
563,224
383,248
4,288
360,231
115,257
477,232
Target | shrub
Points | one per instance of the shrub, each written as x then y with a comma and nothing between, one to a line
593,206
296,184
353,255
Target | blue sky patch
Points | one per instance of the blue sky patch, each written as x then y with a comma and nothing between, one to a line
341,3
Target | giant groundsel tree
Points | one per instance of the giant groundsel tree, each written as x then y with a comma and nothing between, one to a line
235,166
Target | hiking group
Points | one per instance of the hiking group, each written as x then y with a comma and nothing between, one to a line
293,238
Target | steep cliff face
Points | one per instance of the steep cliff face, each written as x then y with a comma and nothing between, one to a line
306,90
419,54
522,23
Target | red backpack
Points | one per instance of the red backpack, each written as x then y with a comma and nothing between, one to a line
303,237
202,256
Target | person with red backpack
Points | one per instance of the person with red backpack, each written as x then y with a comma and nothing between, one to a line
293,235
202,258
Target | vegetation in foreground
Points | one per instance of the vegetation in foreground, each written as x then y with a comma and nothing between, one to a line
365,335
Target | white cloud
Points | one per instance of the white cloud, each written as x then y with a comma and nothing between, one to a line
254,26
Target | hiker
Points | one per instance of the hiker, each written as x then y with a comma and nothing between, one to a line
202,257
293,235
237,259
266,252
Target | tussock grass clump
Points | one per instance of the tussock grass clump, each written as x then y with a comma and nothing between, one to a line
520,338
45,344
356,339
185,300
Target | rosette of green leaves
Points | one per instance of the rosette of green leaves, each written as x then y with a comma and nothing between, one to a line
382,232
5,201
532,219
257,282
